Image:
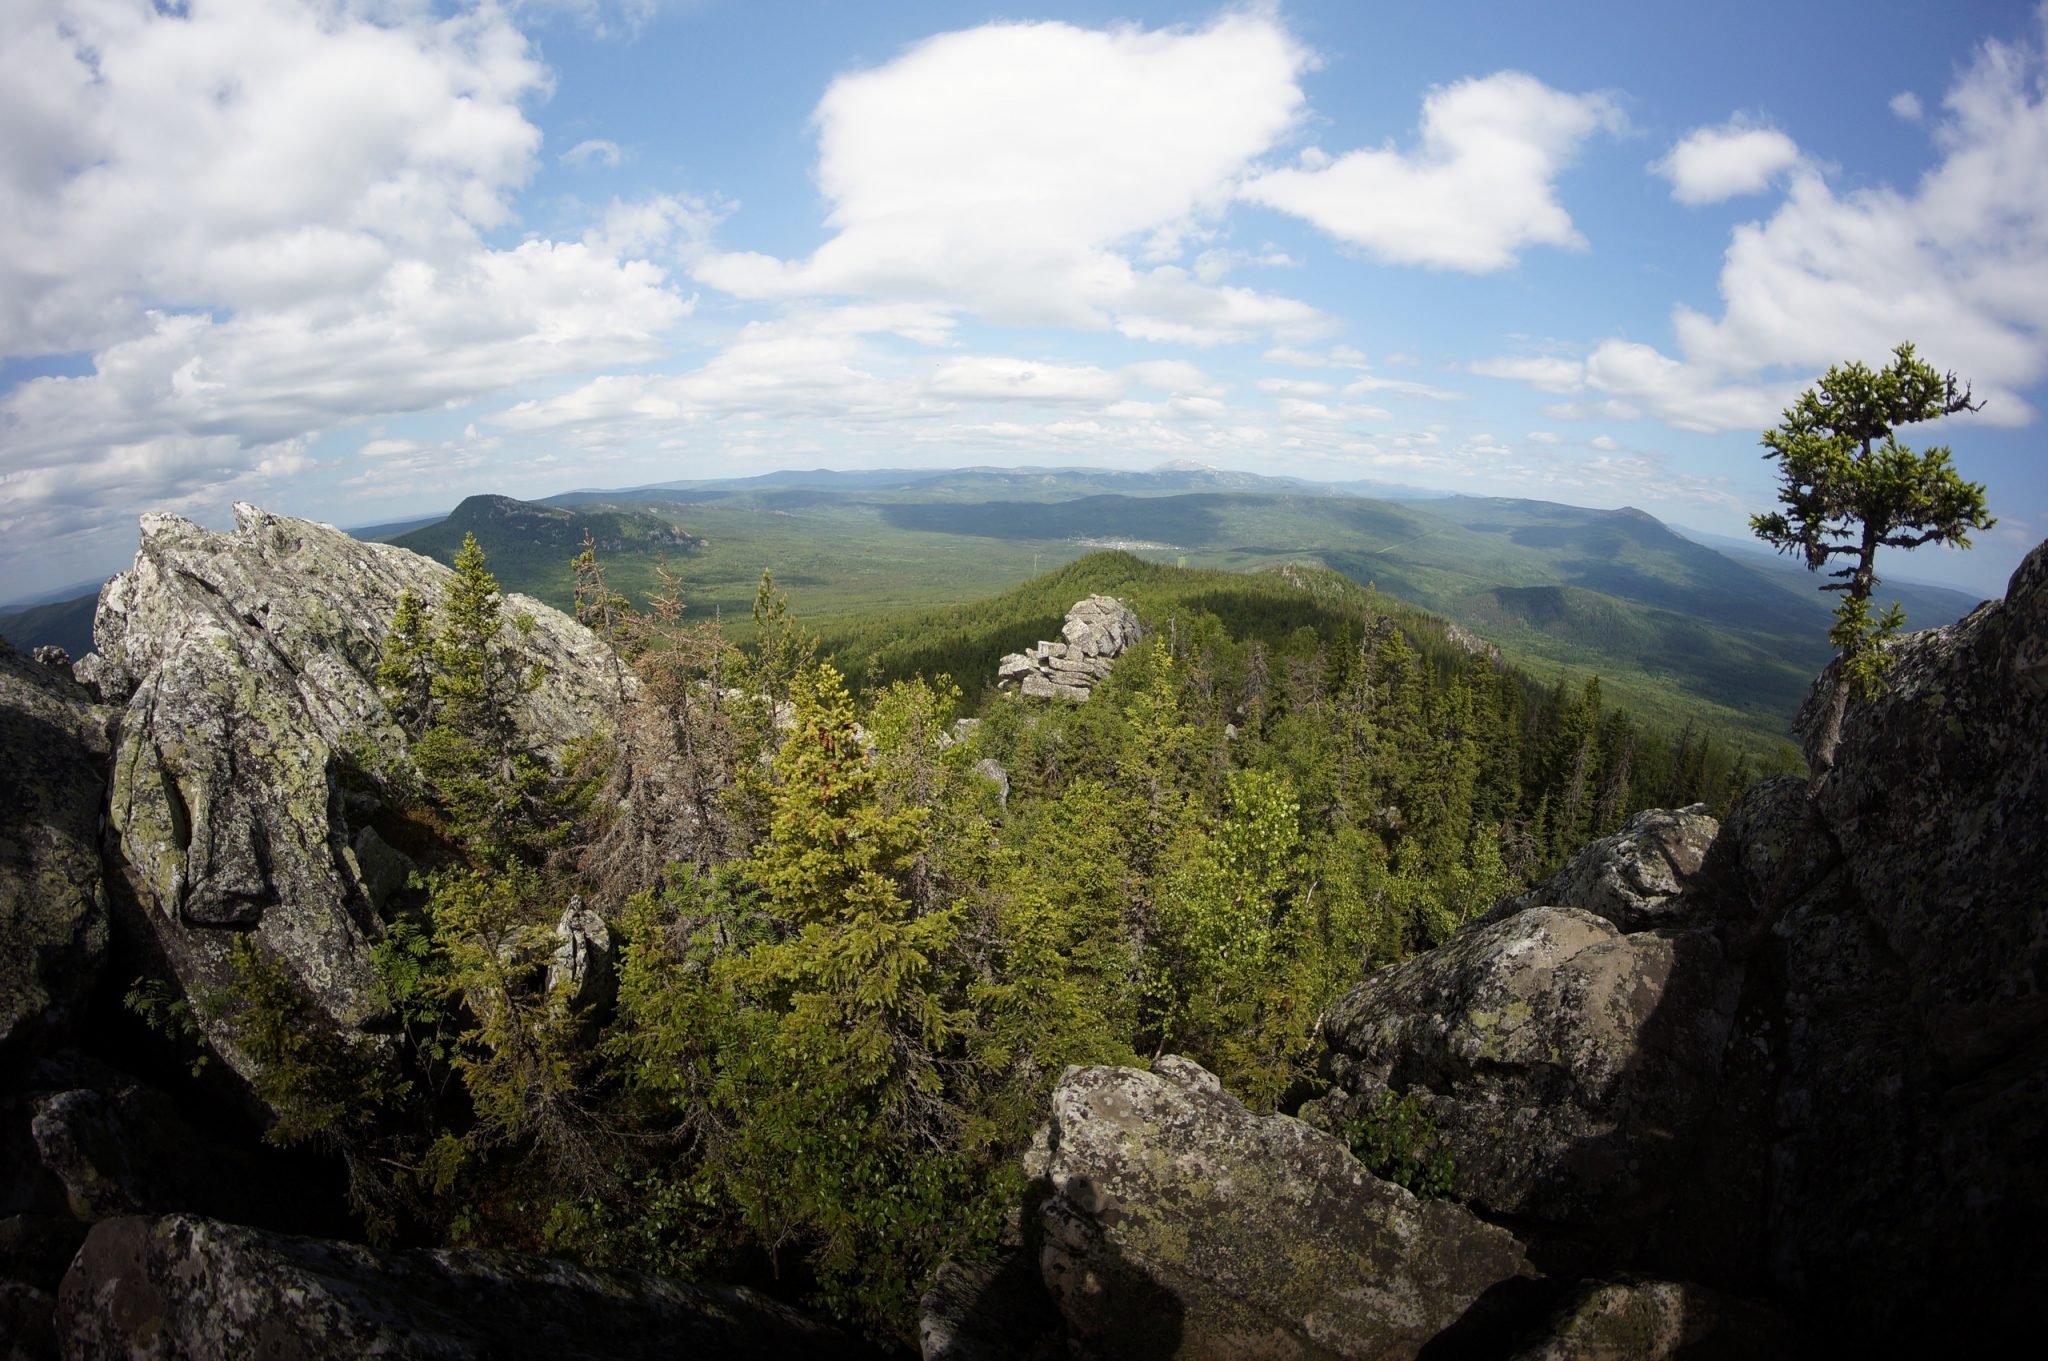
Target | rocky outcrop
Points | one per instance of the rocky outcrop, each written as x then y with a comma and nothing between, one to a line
1911,1099
580,969
53,906
1802,1057
1180,1224
254,743
1096,632
1563,1062
181,1287
1635,878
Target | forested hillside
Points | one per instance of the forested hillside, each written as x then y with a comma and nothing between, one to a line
823,956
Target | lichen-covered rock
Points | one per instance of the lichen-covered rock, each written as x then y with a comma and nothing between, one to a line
1563,1062
181,1287
1096,631
1181,1224
1908,1187
580,969
1639,1320
53,901
246,662
1635,878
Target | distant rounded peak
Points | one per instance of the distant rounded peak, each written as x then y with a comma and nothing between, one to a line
1186,465
1634,513
485,502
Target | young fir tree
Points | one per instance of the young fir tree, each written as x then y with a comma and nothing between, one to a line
472,754
1849,487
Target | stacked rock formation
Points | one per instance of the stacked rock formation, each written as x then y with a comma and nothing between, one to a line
1097,630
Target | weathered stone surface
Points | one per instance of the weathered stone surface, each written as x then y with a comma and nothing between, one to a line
53,902
1638,1320
1096,631
1635,878
181,1287
246,662
990,769
989,1311
1181,1224
581,966
1909,1190
1563,1061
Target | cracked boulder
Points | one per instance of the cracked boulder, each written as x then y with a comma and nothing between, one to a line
254,744
1181,1224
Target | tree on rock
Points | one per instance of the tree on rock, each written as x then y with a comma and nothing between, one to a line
1848,487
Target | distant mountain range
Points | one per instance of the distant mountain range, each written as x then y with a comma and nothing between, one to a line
1679,628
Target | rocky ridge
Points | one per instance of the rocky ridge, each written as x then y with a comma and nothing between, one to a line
1096,632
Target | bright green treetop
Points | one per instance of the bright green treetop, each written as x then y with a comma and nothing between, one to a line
1848,487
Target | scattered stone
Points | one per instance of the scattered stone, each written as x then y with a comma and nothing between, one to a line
1563,1062
54,657
1637,1320
990,769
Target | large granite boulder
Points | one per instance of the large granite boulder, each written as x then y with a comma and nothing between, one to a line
1096,632
1563,1062
254,740
53,901
1180,1224
181,1287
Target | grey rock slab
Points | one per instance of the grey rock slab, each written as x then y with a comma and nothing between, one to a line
1563,1061
1634,878
246,662
1180,1223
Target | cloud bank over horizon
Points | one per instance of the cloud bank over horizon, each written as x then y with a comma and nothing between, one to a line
359,257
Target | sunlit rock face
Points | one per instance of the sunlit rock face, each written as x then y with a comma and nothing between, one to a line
1096,632
1180,1223
254,746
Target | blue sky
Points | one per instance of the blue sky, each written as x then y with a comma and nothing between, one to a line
356,259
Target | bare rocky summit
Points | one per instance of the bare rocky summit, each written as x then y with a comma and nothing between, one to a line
1097,631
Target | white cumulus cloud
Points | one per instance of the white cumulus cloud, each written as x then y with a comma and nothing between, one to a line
1479,189
1738,157
264,219
1067,172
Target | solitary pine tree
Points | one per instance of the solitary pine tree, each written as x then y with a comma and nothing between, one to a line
1848,487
